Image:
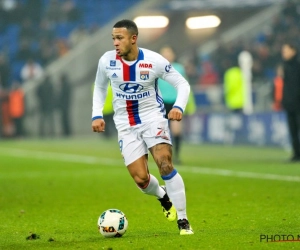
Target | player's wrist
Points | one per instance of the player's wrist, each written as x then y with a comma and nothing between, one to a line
97,117
177,107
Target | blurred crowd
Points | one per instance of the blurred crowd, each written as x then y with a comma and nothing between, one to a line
35,28
265,49
33,33
266,46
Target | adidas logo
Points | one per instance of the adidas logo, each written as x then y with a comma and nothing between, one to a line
114,75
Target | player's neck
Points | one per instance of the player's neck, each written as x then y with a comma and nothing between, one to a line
133,55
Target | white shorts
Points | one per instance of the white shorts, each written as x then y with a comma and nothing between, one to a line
135,141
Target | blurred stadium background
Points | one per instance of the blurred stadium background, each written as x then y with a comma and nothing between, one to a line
42,40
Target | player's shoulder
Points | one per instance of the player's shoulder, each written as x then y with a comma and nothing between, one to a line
108,55
155,59
151,54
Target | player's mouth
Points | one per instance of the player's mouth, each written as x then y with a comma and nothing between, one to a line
118,51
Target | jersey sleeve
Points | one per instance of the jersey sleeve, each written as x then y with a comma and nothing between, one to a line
172,76
100,90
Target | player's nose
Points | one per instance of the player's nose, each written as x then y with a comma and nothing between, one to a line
116,43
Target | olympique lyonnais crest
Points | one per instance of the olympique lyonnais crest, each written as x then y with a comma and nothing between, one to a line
144,75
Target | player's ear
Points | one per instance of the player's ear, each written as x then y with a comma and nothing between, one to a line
133,39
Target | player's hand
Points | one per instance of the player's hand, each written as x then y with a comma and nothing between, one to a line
98,125
175,114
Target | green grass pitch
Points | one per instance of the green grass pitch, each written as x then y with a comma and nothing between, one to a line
57,189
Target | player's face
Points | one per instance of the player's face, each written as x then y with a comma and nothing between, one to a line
123,41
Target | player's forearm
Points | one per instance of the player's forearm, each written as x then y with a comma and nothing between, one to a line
182,87
100,91
99,97
183,90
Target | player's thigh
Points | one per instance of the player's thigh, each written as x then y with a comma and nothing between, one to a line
139,170
132,147
157,138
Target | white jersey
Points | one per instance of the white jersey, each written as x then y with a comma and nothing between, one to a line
136,96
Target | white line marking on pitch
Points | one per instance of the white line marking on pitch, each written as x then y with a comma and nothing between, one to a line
241,174
41,155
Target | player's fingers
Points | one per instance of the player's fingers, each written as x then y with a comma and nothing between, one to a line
95,128
179,116
98,126
173,115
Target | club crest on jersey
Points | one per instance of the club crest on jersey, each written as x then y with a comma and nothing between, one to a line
144,75
145,65
112,63
131,88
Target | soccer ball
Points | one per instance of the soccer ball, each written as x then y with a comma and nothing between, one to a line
112,223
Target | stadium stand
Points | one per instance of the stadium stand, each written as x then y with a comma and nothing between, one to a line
40,29
265,46
57,33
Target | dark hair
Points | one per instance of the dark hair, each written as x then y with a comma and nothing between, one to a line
129,25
